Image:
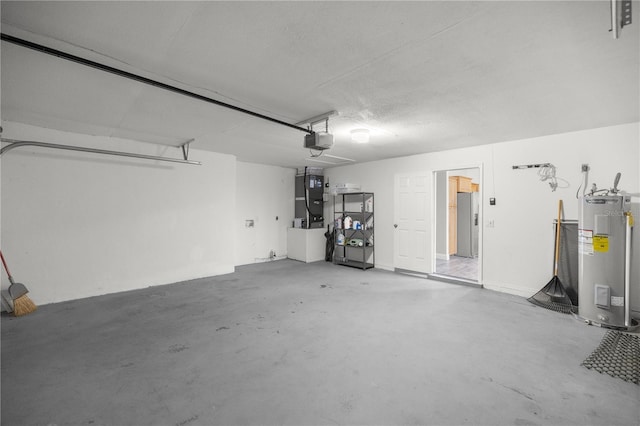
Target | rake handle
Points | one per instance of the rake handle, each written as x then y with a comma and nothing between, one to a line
557,255
6,268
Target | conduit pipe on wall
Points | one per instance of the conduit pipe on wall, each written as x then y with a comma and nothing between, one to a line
614,18
19,143
627,271
139,78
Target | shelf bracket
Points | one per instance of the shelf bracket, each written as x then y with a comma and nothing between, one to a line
532,166
185,149
13,143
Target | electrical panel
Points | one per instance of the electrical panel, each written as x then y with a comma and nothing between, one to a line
309,203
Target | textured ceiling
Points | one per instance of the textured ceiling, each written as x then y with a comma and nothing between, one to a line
422,76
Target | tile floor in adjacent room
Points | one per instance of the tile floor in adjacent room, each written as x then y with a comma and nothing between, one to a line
460,267
306,344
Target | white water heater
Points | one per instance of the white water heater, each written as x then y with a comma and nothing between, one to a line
604,261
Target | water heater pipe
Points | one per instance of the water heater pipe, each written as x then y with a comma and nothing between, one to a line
614,18
627,273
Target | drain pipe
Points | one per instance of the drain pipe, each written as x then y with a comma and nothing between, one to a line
18,143
627,271
614,18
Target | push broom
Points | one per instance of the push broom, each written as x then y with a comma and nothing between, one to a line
553,295
22,304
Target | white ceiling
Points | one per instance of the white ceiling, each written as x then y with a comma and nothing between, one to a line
422,76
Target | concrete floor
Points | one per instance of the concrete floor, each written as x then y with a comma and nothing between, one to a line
306,344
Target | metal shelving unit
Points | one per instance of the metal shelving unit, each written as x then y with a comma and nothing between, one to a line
354,228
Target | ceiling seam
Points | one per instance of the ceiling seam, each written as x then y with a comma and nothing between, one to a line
403,47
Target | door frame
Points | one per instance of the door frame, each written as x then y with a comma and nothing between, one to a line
434,224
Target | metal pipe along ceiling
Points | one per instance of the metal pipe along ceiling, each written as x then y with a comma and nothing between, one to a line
141,79
18,143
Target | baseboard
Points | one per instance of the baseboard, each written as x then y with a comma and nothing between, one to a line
6,302
441,256
526,293
412,273
269,259
384,267
454,280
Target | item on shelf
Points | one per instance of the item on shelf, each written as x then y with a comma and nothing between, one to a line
357,224
342,188
348,222
355,242
340,239
369,223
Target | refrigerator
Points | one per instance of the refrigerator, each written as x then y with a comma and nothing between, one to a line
467,228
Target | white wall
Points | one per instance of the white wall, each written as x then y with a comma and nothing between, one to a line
378,177
78,224
265,194
517,253
442,215
473,174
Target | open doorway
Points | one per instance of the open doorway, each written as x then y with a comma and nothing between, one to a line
457,224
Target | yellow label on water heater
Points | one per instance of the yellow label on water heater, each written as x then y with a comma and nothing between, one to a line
600,243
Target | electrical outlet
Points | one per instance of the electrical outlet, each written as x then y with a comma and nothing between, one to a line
491,224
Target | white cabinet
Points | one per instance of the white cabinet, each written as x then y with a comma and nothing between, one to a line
306,245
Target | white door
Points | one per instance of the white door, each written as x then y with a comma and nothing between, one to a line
411,241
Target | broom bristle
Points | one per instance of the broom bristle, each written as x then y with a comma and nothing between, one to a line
23,305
